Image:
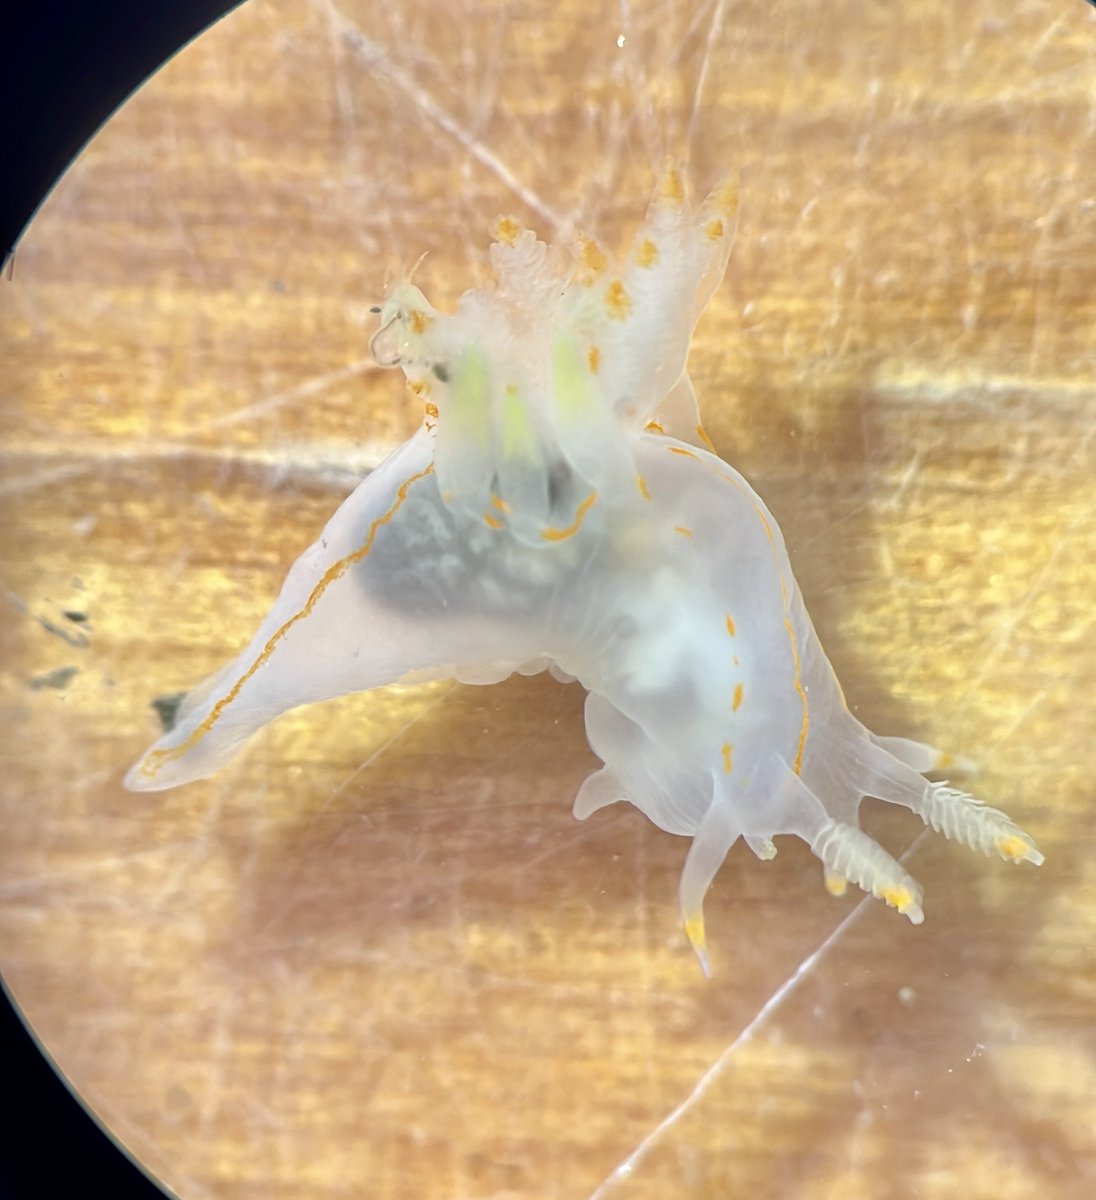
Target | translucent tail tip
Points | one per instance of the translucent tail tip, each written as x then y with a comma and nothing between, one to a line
847,853
694,929
1018,847
836,885
903,899
964,819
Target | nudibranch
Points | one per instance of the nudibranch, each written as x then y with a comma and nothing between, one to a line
561,509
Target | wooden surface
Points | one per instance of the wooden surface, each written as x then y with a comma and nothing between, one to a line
377,957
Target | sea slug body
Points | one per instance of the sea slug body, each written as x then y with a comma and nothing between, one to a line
561,508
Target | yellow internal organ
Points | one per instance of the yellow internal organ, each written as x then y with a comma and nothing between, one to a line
573,393
469,407
518,440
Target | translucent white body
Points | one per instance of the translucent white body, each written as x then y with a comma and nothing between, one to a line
555,512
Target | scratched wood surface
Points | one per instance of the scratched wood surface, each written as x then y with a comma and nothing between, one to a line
377,957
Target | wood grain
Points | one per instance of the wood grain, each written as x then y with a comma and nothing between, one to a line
377,958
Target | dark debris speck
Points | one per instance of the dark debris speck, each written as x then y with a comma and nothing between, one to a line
167,708
59,677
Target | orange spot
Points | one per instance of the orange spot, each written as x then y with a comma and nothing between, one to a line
684,530
493,521
592,256
418,387
558,535
431,409
714,230
898,897
836,885
736,703
420,322
500,504
654,427
1012,847
617,303
682,450
507,230
725,198
730,625
670,188
702,434
593,357
728,751
333,573
644,490
647,254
